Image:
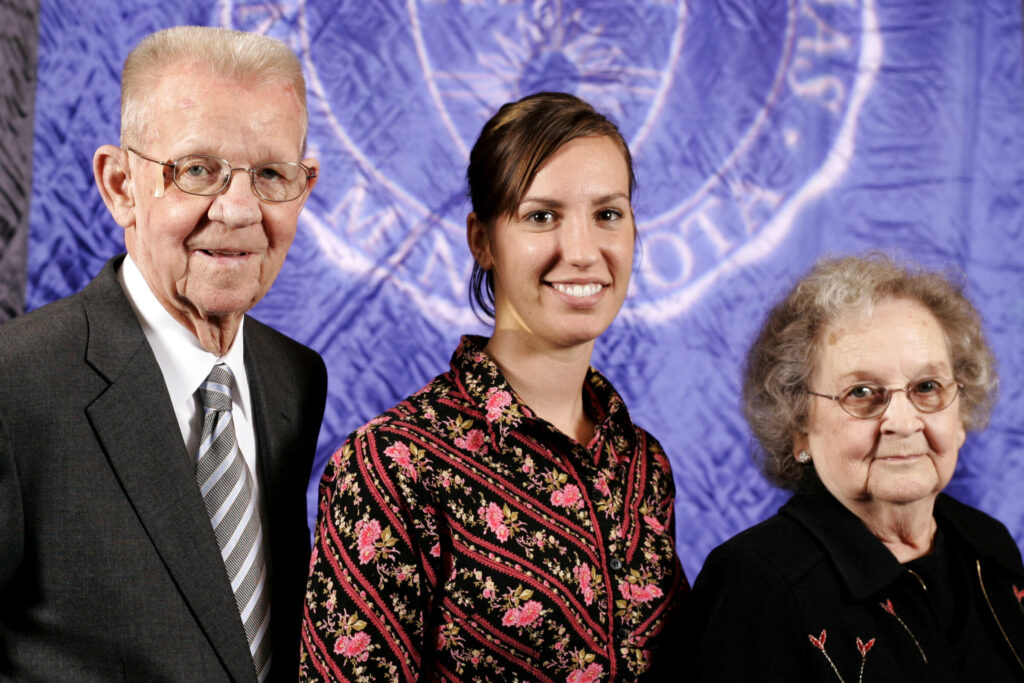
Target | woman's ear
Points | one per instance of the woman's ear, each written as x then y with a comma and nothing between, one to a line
479,241
110,168
800,445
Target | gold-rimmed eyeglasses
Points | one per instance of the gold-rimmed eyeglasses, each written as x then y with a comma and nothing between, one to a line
205,175
868,400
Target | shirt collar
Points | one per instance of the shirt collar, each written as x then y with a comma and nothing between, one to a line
864,563
183,362
479,377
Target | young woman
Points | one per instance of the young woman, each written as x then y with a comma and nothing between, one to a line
509,521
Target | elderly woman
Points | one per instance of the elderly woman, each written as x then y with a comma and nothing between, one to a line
860,390
509,522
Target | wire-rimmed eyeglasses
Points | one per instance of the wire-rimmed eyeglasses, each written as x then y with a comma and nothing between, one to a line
204,175
868,400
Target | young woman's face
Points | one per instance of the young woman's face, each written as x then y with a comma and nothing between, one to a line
561,262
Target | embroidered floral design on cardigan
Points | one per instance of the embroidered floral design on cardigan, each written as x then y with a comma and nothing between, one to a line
862,647
461,538
887,606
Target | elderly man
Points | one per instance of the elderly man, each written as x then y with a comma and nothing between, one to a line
155,443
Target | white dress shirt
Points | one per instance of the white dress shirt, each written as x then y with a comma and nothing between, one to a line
185,364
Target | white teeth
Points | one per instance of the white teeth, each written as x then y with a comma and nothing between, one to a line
578,291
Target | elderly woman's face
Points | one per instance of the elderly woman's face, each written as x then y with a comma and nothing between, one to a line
903,455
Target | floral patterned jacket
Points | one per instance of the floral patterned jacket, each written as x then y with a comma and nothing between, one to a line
461,538
811,595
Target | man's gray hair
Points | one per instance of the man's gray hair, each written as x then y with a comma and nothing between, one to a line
237,55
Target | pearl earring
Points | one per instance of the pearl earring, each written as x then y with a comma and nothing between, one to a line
803,457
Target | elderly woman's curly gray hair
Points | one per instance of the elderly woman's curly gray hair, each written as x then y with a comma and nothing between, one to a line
782,361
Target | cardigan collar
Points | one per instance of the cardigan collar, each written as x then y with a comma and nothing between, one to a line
863,562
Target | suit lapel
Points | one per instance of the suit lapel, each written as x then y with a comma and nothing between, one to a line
268,422
135,424
283,484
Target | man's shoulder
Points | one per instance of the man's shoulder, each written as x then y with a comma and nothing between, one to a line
45,330
61,323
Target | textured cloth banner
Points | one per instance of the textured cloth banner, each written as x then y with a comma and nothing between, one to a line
765,133
18,21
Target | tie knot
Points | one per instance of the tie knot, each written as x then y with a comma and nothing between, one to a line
215,391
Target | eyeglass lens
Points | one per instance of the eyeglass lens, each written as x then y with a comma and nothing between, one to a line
206,175
869,400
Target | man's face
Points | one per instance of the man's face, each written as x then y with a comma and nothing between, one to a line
212,258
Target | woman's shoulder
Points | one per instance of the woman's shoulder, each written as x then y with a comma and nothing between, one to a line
424,407
983,534
404,441
779,544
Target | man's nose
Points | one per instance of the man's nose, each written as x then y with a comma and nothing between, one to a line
237,206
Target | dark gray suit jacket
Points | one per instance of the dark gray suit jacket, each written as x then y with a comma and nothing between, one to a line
109,569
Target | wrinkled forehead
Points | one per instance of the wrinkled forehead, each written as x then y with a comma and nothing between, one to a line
846,334
195,91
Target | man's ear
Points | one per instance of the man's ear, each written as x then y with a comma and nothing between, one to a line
110,168
479,241
313,165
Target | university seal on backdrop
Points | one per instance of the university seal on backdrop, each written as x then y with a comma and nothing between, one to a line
738,115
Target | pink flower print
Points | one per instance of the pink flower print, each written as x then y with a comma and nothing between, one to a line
436,550
637,593
511,617
368,533
582,572
495,519
496,401
602,486
865,647
588,675
473,441
657,526
400,454
522,616
528,613
353,646
819,642
650,592
569,496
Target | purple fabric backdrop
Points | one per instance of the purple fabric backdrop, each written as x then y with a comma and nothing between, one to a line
765,134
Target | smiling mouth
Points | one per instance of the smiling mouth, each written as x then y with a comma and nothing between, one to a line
578,291
218,252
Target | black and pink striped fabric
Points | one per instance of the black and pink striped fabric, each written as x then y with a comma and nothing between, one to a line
461,537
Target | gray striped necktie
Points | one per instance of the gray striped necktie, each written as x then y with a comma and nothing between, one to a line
227,489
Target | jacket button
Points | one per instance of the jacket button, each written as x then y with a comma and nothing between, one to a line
616,564
622,633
